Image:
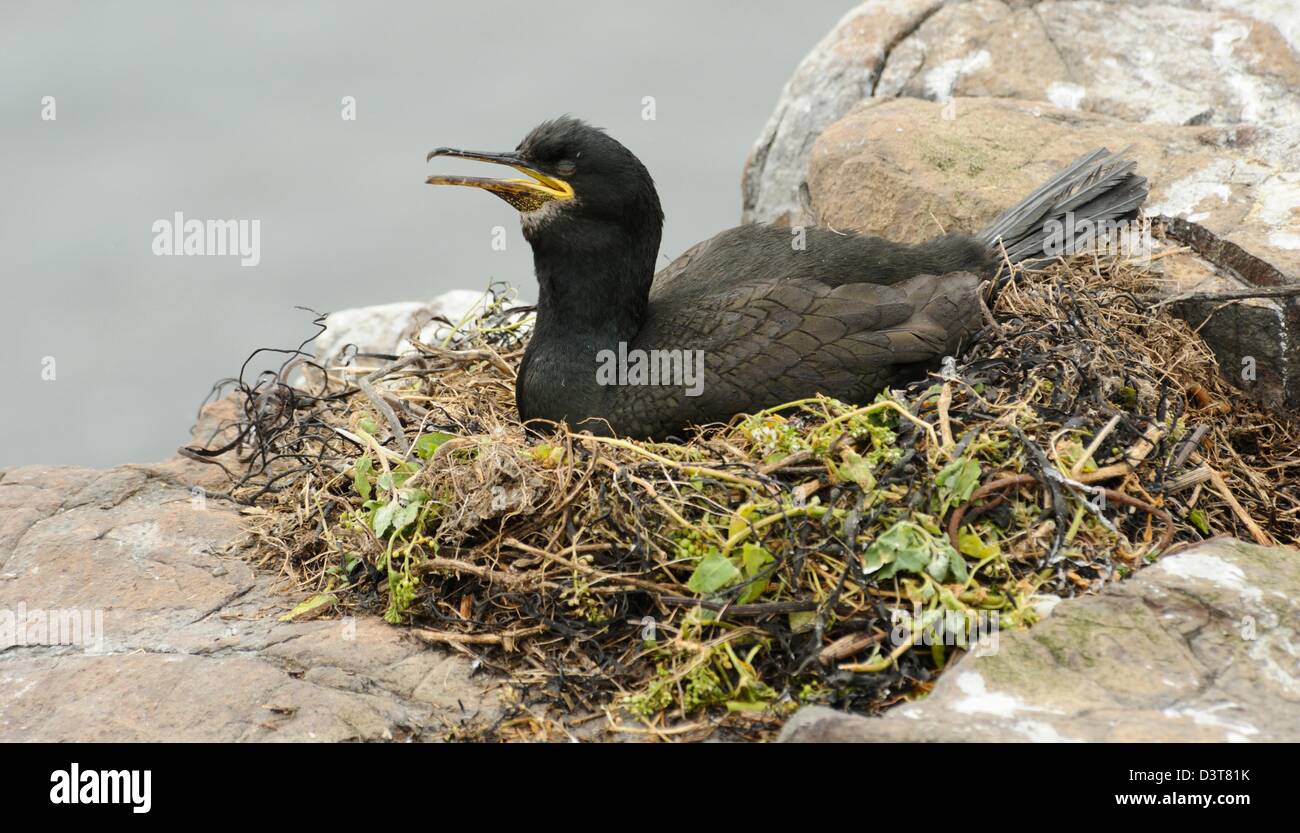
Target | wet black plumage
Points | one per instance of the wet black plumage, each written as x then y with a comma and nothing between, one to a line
844,315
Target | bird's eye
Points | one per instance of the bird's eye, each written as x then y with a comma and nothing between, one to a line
565,167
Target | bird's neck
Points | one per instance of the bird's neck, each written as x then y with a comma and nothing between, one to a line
593,291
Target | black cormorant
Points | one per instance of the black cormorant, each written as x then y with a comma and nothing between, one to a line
766,320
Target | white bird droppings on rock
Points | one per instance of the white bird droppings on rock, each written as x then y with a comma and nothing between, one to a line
939,82
979,700
1064,94
1211,568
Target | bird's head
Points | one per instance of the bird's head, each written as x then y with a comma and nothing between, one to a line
578,180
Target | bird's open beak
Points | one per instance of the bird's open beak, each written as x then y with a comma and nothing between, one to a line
523,194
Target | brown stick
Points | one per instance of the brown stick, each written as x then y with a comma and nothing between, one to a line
1221,486
1188,480
945,424
589,570
1077,468
847,646
506,640
508,579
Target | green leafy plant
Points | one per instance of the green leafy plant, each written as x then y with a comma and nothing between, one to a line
715,571
955,483
908,547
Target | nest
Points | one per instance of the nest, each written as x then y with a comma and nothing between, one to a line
677,590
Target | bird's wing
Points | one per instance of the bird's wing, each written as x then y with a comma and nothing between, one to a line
765,342
763,254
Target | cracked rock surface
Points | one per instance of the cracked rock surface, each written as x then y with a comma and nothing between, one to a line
1204,645
180,637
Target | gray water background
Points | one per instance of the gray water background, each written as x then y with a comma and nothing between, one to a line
232,110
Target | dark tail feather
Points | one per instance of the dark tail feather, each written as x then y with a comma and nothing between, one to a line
1097,187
